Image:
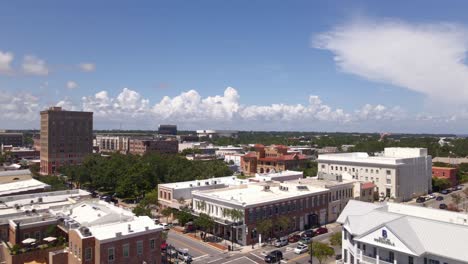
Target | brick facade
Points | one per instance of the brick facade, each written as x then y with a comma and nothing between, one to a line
446,173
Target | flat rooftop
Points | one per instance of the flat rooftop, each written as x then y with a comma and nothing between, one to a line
391,156
228,180
258,193
21,186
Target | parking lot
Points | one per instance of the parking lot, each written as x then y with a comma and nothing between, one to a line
446,199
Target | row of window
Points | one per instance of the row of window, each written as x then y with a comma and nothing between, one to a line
388,172
111,256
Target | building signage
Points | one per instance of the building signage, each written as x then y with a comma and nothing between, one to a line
384,239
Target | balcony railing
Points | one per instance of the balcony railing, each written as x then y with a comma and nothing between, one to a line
370,260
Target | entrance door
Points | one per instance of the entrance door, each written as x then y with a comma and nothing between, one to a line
313,220
389,191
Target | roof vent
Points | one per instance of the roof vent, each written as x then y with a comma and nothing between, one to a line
130,228
266,188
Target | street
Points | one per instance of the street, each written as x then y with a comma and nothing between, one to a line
447,199
203,253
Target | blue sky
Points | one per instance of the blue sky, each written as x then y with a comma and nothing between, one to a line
274,54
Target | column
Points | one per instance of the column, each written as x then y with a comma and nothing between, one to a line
377,257
355,253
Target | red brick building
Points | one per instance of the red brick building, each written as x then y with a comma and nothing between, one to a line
162,146
66,138
446,173
274,158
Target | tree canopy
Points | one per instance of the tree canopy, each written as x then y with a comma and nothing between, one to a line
131,176
321,251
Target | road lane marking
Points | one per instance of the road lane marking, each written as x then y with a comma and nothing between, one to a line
199,257
256,256
215,260
244,257
298,257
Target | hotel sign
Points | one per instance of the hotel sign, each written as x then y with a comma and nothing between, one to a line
384,239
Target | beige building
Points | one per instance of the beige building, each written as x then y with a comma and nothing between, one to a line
66,138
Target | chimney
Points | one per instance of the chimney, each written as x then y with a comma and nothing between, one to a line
17,233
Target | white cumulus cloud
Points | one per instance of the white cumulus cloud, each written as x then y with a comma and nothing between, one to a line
72,85
18,107
87,67
6,58
34,66
426,58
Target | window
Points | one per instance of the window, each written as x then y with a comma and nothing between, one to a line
88,254
110,254
367,170
126,250
389,172
410,260
389,181
323,166
140,247
345,256
37,235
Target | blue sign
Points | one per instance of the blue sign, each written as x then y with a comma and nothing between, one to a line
384,233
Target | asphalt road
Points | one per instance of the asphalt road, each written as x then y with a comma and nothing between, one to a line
196,249
258,255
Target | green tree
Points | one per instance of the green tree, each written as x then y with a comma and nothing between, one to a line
440,183
164,235
265,227
456,198
204,222
336,240
166,212
283,222
141,210
235,214
321,251
183,216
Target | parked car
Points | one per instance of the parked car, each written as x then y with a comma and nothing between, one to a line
307,233
183,254
189,227
430,196
294,238
274,256
165,226
301,248
305,240
444,192
439,198
282,241
459,187
320,231
443,206
420,199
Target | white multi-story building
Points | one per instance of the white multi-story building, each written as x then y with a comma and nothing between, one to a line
217,133
396,233
113,143
400,173
235,158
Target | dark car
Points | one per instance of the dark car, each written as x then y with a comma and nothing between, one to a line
420,200
274,256
442,206
308,233
444,192
320,231
294,238
439,198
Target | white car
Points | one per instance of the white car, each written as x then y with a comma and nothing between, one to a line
165,226
430,196
301,248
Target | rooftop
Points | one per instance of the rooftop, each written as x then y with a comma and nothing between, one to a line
21,186
258,193
104,220
391,156
228,180
422,230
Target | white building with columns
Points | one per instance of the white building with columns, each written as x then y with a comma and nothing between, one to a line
399,174
391,233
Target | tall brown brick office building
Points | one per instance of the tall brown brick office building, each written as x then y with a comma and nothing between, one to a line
66,138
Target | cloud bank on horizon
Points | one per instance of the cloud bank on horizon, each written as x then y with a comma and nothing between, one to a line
425,58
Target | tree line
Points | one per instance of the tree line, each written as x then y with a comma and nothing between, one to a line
132,176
